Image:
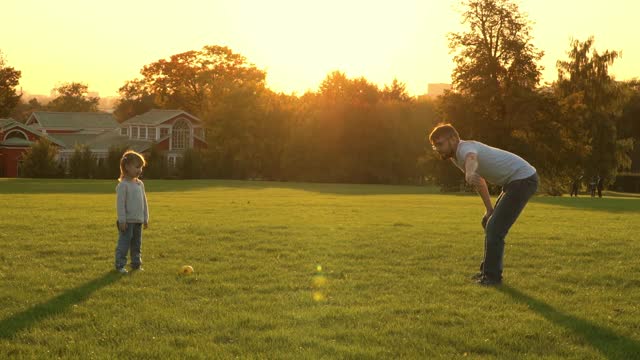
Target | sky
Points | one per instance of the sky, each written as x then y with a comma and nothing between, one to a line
297,42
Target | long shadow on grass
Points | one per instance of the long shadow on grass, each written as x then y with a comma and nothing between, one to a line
610,344
56,306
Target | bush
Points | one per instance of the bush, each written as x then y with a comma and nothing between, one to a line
191,165
82,164
39,161
112,165
156,164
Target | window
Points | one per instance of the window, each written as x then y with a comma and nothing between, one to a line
124,131
172,162
16,135
143,133
164,132
152,133
180,135
199,132
134,132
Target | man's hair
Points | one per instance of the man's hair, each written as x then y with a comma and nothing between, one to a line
443,130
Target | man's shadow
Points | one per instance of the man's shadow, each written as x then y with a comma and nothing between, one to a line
610,344
56,306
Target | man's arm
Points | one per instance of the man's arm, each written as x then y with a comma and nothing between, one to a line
472,178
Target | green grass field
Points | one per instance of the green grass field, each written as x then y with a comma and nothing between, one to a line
393,282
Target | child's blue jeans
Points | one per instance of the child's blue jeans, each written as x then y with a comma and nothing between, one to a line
129,240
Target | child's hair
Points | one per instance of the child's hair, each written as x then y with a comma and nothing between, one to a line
129,157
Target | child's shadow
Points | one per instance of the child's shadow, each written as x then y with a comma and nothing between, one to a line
58,305
610,344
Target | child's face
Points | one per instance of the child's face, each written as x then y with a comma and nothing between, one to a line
134,169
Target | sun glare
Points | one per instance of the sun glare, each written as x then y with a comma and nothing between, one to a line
298,43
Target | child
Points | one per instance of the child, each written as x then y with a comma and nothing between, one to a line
133,213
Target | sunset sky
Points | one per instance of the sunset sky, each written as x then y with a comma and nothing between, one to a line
298,42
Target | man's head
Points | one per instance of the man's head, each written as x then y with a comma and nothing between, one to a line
444,139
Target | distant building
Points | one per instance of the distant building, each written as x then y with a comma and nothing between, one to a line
435,90
172,131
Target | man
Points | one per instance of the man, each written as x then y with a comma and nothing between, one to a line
480,162
575,186
600,186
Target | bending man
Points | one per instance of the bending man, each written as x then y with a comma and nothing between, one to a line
480,162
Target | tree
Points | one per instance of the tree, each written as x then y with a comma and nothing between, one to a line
194,80
397,91
191,165
585,76
39,161
23,110
157,167
111,165
82,164
135,99
9,80
629,122
495,66
217,85
350,131
73,97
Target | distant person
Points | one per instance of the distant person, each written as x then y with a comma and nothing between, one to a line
519,181
132,209
575,186
592,186
600,186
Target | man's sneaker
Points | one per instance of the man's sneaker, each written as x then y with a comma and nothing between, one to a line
487,281
477,276
122,271
137,269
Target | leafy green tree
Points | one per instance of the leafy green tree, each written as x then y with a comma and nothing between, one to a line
157,167
135,99
112,162
23,110
9,80
73,97
496,66
397,91
350,131
82,164
628,124
585,76
194,80
39,161
220,87
191,164
273,129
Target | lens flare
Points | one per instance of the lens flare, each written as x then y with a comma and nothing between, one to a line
318,296
319,281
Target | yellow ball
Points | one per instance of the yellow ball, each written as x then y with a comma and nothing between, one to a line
186,270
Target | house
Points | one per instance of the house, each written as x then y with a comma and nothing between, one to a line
172,131
15,139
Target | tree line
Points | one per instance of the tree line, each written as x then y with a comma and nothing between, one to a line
351,130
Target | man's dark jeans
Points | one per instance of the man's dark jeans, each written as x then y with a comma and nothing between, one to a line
510,203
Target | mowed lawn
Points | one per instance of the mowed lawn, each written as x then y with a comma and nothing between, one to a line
312,271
